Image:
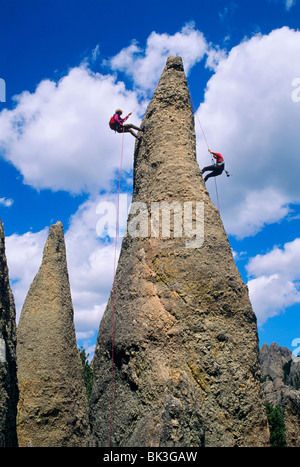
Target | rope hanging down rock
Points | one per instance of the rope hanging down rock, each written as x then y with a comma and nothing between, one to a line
114,276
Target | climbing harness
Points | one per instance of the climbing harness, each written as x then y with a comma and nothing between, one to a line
114,277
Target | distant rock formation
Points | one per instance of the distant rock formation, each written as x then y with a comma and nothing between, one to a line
8,372
52,410
186,357
281,386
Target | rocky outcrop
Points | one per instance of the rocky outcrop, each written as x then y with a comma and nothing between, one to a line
273,360
281,386
184,341
8,373
52,410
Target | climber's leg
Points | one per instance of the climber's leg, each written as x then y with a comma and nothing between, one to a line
211,174
128,128
209,167
216,170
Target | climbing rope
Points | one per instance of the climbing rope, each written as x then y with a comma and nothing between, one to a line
216,187
113,296
114,276
145,97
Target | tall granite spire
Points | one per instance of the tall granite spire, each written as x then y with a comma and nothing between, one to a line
52,410
186,366
8,369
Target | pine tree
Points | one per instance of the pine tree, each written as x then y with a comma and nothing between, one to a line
87,372
276,424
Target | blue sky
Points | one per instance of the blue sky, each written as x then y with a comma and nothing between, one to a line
68,64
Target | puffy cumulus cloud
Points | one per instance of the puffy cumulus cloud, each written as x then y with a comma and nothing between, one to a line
91,260
249,215
145,65
271,295
58,137
274,280
24,256
284,260
249,115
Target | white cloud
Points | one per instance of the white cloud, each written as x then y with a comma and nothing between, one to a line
95,53
58,137
289,4
271,295
6,202
255,210
90,264
274,282
250,117
24,256
284,261
145,66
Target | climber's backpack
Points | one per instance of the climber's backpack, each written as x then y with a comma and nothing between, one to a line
113,123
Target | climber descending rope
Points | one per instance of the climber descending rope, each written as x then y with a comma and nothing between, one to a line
113,298
117,123
216,168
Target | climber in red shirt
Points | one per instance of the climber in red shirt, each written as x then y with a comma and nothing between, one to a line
216,168
116,123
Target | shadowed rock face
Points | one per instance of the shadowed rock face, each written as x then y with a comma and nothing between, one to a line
52,410
8,372
186,367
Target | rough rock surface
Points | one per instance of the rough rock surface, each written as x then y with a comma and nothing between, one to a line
186,366
8,372
272,361
281,380
52,410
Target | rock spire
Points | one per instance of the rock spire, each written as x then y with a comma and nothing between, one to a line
8,371
52,410
186,366
280,371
